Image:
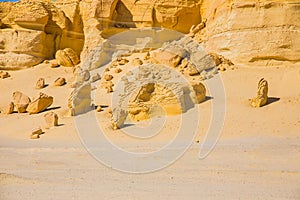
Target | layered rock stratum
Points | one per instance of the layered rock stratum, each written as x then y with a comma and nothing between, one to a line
251,32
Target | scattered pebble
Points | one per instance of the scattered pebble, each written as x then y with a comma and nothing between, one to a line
40,84
108,77
4,75
60,81
118,70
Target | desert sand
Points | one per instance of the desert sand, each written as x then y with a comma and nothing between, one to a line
54,47
256,156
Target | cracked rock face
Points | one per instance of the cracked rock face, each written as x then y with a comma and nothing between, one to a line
32,31
252,32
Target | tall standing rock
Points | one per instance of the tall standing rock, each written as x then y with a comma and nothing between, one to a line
262,94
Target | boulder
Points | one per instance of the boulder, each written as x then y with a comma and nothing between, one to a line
39,104
200,92
118,118
8,109
67,57
21,101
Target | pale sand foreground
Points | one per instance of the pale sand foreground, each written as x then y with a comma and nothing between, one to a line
257,156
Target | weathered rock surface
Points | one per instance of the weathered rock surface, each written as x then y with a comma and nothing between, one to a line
60,81
51,119
32,31
252,31
8,109
80,99
21,101
39,104
153,86
67,57
40,84
200,92
261,98
35,133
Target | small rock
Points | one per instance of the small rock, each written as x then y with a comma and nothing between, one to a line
40,84
114,64
60,81
136,62
46,62
54,63
4,75
108,86
200,92
122,61
8,109
37,131
108,77
35,136
39,104
192,70
51,119
118,70
21,101
147,56
96,77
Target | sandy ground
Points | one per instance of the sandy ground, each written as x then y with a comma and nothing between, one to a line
257,155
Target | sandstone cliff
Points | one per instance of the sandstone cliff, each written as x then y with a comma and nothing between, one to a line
252,31
258,32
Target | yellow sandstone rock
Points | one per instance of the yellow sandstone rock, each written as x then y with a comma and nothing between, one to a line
262,94
39,104
21,101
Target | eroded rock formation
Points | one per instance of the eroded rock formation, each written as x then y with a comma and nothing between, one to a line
261,98
247,32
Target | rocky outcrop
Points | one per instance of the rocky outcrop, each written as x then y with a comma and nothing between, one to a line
252,32
32,31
